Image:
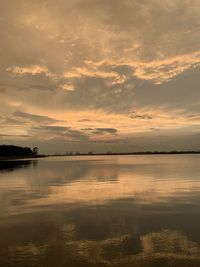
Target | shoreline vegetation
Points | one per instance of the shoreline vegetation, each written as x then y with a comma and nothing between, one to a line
11,152
127,153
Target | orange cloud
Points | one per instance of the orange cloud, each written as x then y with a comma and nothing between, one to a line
32,69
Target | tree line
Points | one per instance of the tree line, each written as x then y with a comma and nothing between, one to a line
15,151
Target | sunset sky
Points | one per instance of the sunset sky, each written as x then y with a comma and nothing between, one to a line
99,75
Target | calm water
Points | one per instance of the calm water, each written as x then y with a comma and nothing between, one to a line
100,211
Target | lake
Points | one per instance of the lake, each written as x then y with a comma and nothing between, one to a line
92,211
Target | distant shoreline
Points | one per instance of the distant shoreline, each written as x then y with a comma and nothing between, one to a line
102,154
126,153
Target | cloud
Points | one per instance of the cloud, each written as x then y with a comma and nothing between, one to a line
51,132
15,136
35,118
84,120
156,71
77,135
87,129
107,130
33,70
129,65
94,72
6,121
67,87
101,131
133,115
160,71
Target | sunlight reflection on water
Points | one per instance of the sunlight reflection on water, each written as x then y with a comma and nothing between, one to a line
100,211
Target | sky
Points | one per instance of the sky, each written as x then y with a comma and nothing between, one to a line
100,75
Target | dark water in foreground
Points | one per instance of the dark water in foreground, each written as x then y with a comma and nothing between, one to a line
100,211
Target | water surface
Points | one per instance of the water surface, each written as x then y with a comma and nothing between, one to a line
100,211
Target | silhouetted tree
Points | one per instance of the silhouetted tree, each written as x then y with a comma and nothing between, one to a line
35,150
15,151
